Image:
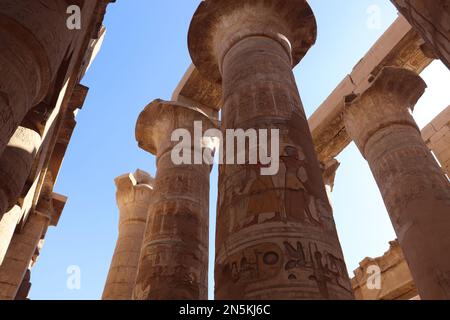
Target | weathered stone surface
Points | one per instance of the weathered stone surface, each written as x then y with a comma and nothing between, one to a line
41,63
134,194
8,223
329,170
399,46
432,20
25,287
19,255
437,137
34,40
196,90
393,282
276,237
414,188
15,165
174,257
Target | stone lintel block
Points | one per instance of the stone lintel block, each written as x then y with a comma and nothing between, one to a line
427,132
218,25
440,135
59,202
443,119
195,89
440,146
133,195
78,97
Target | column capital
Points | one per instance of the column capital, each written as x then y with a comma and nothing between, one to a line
160,118
329,170
218,25
132,187
389,100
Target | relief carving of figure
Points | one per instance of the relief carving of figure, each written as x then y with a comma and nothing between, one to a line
264,204
299,204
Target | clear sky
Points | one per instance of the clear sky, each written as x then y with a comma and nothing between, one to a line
144,57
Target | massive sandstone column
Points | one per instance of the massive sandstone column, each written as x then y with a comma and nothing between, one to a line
431,19
20,253
134,193
34,40
15,165
413,186
8,224
174,257
276,237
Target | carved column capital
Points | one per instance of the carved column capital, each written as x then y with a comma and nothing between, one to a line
160,118
177,225
134,196
389,100
218,25
133,189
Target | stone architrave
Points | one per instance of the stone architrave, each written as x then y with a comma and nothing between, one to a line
276,236
413,186
134,193
174,257
437,137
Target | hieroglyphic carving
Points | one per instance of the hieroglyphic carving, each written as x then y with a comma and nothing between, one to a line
324,267
255,263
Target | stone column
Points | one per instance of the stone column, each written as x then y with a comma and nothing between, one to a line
276,237
413,186
431,19
15,165
174,257
20,253
34,40
134,193
25,287
8,224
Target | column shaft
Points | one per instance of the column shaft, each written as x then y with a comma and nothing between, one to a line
413,186
18,258
174,257
15,165
8,224
133,198
276,237
34,40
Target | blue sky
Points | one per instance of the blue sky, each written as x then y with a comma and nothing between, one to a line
143,57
